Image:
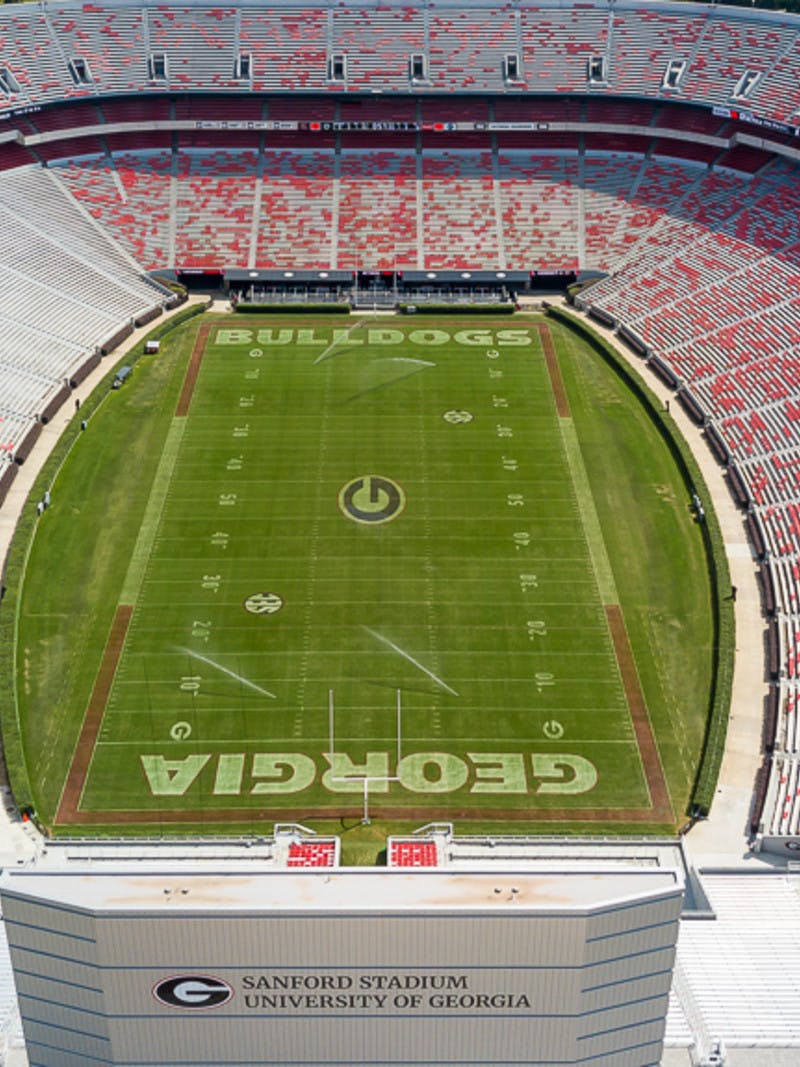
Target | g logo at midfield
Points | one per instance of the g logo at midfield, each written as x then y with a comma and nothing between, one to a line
371,499
196,992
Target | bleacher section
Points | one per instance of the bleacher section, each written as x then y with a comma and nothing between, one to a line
295,846
295,223
382,208
149,49
404,852
214,206
65,288
711,291
458,209
377,210
312,854
130,194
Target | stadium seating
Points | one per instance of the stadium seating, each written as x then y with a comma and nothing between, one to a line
411,853
65,288
377,213
608,184
296,225
539,200
311,854
214,207
130,194
72,52
458,209
712,291
782,808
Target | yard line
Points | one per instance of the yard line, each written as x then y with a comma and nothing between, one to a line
226,670
405,655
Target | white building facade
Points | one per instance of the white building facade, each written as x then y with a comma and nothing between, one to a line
343,966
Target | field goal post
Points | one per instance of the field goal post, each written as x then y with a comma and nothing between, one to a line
365,778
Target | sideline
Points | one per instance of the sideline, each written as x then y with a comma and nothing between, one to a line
722,837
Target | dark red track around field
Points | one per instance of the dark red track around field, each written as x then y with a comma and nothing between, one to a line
651,761
70,798
553,369
192,371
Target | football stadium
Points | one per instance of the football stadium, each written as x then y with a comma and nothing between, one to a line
400,524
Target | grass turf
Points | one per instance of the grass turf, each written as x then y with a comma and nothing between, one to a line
481,600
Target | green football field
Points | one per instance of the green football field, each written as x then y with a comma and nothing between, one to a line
412,551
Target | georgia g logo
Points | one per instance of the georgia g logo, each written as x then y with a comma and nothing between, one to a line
192,991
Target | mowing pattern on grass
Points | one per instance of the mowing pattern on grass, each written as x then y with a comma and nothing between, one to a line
352,517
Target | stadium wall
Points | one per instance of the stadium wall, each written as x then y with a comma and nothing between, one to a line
559,966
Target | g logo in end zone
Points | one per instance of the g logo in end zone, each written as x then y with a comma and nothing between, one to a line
371,500
195,992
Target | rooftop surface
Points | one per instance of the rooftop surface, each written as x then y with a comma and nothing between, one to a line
343,890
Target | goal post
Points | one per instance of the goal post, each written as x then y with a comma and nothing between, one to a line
367,780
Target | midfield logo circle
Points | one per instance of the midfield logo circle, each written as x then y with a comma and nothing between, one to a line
196,992
371,500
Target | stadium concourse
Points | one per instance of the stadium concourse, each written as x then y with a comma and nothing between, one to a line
652,146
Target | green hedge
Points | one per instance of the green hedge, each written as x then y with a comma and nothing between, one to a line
724,622
165,327
171,284
458,309
17,558
293,309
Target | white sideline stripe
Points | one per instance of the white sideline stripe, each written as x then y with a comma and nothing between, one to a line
405,655
225,670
